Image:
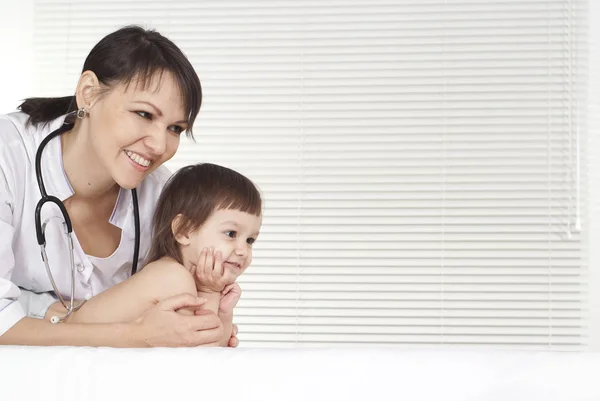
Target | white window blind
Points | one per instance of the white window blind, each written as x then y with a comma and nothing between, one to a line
420,160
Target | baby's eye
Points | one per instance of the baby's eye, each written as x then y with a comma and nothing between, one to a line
231,234
251,241
144,114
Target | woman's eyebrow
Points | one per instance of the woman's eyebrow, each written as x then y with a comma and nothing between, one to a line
156,109
159,111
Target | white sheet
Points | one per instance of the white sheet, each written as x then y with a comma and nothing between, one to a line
64,373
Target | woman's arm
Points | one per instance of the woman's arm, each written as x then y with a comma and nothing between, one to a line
32,331
143,311
160,326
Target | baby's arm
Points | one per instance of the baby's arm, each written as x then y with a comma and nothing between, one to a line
127,300
213,282
229,299
213,303
212,300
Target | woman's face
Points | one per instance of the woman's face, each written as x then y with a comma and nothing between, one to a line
133,129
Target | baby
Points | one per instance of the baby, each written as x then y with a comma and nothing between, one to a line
205,224
206,221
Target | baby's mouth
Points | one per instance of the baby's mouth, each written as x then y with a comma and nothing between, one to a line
233,265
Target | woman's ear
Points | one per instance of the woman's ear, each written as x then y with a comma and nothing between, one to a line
183,238
88,88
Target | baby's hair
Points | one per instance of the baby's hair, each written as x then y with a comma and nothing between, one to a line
195,192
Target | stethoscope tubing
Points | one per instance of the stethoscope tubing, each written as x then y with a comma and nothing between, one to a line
40,229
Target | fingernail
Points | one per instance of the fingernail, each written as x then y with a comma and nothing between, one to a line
200,299
203,250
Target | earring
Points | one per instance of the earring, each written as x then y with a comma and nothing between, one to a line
82,113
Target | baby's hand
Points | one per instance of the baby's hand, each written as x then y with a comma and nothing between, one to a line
229,298
209,273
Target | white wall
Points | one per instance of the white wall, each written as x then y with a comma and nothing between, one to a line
16,44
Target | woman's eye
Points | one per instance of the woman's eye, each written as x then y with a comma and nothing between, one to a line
144,114
231,234
176,129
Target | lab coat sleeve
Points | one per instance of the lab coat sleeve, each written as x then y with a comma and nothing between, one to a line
11,310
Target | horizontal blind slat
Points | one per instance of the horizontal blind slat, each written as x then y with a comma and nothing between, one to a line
417,159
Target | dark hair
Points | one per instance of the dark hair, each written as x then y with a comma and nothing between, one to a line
195,192
126,54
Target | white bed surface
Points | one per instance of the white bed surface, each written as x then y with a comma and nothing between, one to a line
265,374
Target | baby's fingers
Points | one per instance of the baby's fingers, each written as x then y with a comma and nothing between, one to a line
218,264
201,263
227,288
208,265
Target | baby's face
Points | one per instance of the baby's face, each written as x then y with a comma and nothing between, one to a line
231,232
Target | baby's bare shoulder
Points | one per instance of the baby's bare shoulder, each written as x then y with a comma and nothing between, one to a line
166,266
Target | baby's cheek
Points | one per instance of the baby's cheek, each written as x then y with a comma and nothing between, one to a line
193,253
248,261
225,251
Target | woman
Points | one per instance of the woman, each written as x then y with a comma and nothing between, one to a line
136,95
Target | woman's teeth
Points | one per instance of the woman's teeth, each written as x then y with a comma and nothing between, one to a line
137,158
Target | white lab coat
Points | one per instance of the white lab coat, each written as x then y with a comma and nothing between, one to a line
21,264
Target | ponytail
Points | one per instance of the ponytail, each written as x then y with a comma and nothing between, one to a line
46,109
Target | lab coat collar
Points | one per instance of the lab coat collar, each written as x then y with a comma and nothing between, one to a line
123,213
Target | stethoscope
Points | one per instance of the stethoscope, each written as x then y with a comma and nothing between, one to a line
40,228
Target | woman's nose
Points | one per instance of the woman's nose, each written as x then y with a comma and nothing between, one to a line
156,140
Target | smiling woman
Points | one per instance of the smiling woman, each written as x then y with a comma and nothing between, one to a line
136,94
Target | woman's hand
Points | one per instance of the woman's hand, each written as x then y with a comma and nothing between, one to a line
162,326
